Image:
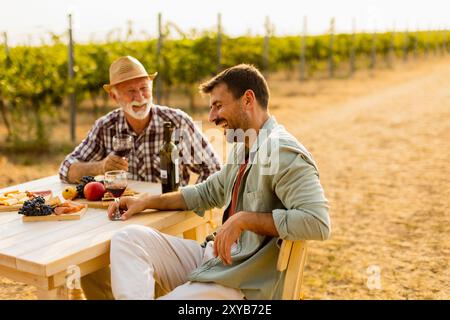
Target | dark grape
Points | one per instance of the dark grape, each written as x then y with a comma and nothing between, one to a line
35,207
80,187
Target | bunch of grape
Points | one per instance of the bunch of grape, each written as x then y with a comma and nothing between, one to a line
35,207
80,187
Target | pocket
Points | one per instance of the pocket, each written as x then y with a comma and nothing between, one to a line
254,195
253,201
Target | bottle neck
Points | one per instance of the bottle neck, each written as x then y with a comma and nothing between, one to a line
167,134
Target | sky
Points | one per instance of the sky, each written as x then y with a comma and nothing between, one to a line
29,21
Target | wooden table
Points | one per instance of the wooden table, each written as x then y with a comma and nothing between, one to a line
40,253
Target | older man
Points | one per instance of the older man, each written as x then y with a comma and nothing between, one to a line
131,88
270,188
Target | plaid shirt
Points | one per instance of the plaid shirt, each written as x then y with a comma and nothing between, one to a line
196,153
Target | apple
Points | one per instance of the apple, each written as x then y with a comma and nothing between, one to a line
94,191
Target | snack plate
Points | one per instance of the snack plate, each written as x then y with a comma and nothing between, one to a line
16,207
62,217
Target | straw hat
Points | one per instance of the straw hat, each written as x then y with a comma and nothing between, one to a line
126,68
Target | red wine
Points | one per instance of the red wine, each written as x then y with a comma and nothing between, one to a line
122,152
116,192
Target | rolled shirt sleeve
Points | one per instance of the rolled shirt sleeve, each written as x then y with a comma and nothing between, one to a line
298,187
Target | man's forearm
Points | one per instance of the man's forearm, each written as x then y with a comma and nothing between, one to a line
79,169
166,201
258,222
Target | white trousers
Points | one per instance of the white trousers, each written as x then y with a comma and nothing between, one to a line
143,258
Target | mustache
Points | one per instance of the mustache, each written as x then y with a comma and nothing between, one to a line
137,103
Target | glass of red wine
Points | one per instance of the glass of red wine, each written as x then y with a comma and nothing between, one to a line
116,182
122,145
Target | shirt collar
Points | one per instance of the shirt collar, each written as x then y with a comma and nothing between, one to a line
124,128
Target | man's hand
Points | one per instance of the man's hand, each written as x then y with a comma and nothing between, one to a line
226,235
131,205
113,162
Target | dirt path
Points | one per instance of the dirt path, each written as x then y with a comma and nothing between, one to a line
384,162
382,144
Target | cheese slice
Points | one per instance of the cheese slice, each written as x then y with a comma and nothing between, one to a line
22,200
9,202
11,192
20,195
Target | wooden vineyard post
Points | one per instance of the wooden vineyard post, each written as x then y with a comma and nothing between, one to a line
331,45
416,45
373,51
268,28
219,42
391,52
129,30
3,111
303,50
353,48
159,47
405,45
72,95
435,43
444,41
5,43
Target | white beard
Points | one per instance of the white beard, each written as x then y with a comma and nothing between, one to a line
140,115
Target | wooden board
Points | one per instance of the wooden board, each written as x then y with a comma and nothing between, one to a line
94,204
53,217
101,204
17,207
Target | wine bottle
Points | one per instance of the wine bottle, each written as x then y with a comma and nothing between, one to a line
170,176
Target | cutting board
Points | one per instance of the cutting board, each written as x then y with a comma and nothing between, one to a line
94,204
101,204
16,207
53,217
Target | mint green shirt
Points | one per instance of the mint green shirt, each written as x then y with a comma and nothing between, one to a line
281,179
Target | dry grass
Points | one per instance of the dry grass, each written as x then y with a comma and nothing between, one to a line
382,143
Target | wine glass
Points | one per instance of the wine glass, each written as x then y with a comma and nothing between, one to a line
116,182
122,144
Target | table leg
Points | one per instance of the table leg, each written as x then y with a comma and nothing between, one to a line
59,293
76,294
199,233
